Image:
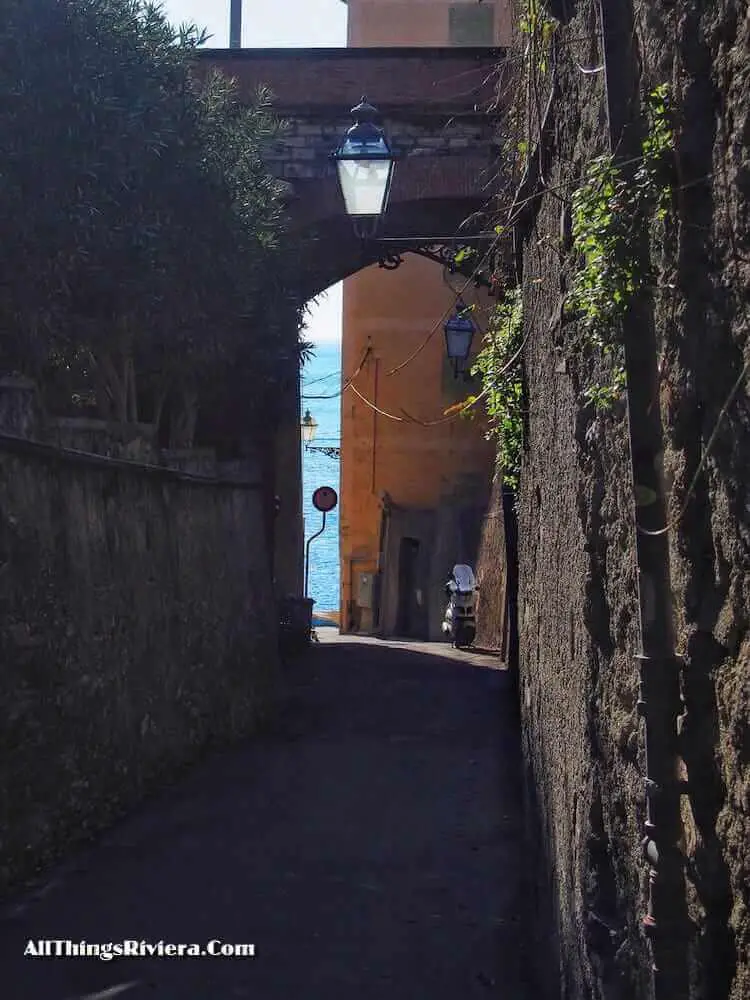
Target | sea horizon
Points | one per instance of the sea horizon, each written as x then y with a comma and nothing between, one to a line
321,395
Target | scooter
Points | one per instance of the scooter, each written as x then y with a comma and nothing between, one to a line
459,621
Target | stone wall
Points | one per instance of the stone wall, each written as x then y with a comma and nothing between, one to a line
578,601
497,575
136,630
304,150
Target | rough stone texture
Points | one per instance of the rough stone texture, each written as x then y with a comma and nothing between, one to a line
135,629
135,442
578,607
313,144
19,405
706,329
492,575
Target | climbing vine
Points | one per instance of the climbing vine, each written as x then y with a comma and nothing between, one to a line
537,24
537,28
610,212
654,174
498,366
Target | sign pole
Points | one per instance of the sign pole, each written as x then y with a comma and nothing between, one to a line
307,551
324,499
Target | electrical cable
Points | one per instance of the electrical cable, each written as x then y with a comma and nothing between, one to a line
458,410
383,413
447,311
320,378
345,386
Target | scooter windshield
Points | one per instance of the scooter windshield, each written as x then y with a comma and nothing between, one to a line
464,577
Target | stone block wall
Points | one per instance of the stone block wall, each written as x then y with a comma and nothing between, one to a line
304,150
496,575
137,628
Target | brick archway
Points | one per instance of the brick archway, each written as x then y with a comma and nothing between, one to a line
439,107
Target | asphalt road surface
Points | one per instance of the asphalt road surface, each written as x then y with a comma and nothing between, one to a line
368,846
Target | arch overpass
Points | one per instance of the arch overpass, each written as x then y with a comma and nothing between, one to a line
441,111
440,108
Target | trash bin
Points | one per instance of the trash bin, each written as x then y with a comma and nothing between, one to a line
295,623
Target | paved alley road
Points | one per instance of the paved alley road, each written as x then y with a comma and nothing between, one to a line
368,846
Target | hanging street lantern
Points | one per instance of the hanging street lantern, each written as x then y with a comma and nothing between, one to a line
459,333
308,427
365,163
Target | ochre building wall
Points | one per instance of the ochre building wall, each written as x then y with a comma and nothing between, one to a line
417,464
428,22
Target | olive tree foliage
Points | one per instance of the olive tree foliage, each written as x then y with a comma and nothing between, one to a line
142,250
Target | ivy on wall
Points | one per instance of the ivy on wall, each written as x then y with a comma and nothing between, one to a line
613,204
611,210
498,365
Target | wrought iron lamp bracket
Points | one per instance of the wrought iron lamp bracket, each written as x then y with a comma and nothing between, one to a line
329,452
443,254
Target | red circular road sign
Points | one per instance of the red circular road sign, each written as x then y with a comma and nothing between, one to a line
325,499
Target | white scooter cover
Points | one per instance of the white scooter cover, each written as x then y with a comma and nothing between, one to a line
465,580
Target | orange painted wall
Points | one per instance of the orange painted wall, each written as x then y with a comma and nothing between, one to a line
392,312
415,22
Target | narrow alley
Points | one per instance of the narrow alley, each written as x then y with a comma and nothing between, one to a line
368,845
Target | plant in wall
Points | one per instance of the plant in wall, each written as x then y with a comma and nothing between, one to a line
608,273
536,28
498,365
654,174
611,210
539,26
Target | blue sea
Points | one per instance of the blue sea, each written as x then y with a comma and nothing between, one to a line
321,377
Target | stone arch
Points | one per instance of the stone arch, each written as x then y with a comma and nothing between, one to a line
440,109
331,251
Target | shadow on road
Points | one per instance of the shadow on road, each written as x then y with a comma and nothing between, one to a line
368,845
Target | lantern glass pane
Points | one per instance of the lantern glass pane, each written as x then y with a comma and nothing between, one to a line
459,333
365,184
458,342
308,427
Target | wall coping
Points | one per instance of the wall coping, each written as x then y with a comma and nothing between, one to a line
361,53
424,82
72,456
20,382
97,424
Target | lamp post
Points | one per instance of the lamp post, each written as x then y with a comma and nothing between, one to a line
365,163
459,333
308,429
235,24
